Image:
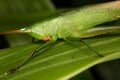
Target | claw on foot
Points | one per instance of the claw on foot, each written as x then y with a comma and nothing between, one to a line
11,71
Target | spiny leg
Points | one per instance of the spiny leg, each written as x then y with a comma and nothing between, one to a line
35,52
91,48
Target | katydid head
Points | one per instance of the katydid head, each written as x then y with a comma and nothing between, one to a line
33,32
39,35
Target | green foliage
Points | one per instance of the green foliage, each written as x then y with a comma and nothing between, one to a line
62,61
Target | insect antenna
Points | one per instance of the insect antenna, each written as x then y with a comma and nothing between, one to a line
30,56
8,32
23,30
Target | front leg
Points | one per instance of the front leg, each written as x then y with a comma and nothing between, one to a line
31,55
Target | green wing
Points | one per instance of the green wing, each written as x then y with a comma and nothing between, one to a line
90,16
87,17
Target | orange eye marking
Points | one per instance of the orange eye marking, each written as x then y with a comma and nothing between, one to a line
47,38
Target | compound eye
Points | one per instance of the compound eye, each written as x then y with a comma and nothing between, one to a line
47,38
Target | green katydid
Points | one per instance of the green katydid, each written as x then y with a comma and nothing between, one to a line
78,23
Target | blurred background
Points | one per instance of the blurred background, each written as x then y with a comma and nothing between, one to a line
16,14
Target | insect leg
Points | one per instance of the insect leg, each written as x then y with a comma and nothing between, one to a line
91,48
35,52
33,39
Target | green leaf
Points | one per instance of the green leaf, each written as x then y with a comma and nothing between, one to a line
62,61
